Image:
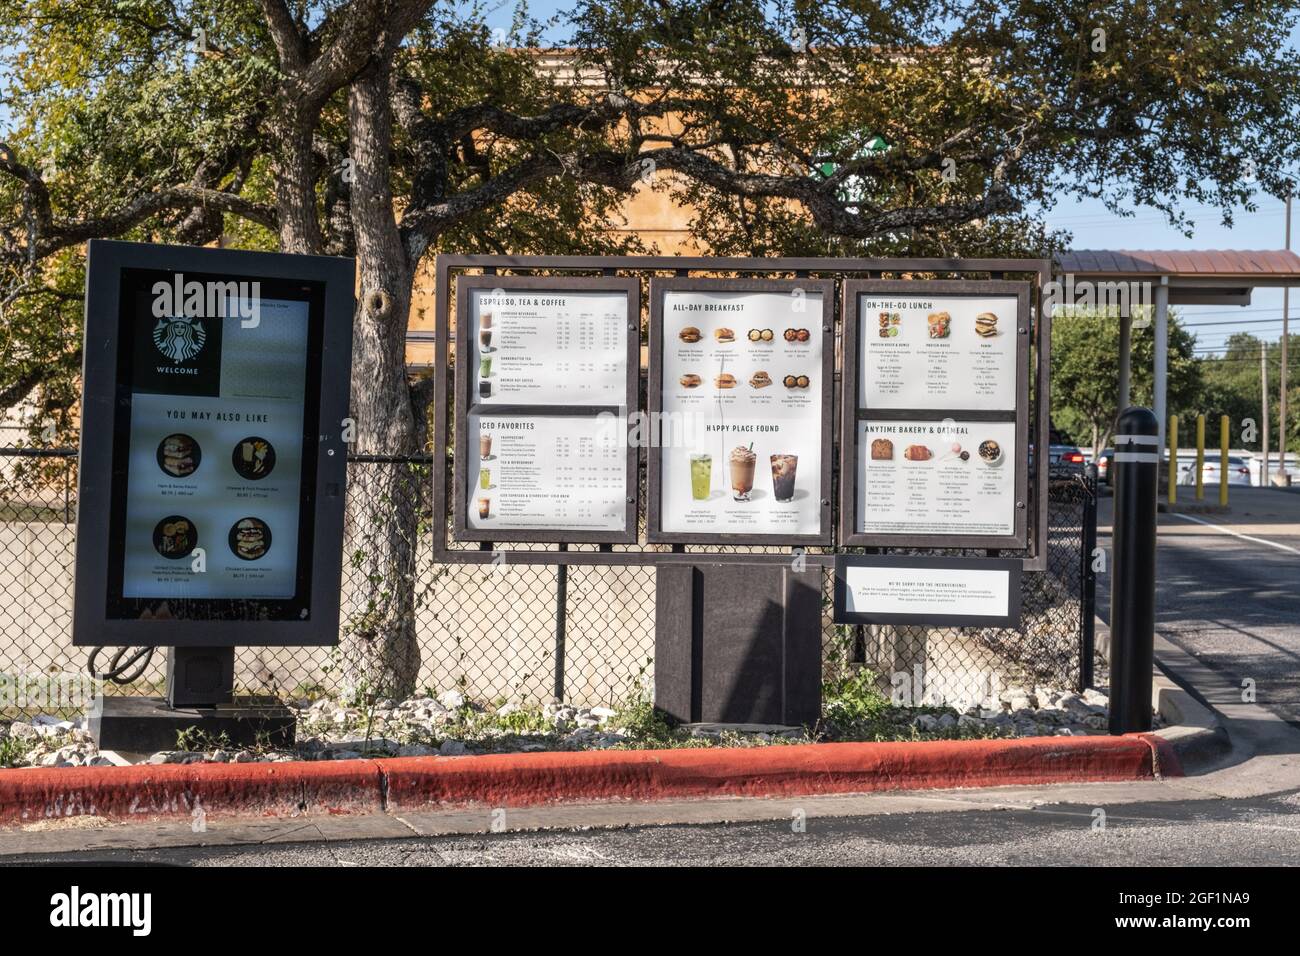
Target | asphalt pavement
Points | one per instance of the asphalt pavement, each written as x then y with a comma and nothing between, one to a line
1228,591
1179,832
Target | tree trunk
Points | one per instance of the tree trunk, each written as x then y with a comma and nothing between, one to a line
378,650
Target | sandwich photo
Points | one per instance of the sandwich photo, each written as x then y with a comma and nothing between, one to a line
178,455
691,380
725,380
986,325
250,539
689,334
882,449
760,379
724,334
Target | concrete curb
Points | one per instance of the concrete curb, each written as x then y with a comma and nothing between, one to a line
521,780
1195,732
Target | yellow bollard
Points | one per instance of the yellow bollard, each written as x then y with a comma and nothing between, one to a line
1223,461
1173,459
1200,457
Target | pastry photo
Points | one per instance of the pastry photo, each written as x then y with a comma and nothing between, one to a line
882,449
917,453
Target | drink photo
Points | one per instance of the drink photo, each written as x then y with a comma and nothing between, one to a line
485,367
485,340
485,478
783,470
701,476
485,507
484,447
485,320
742,472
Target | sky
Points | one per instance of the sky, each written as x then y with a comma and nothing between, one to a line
1095,227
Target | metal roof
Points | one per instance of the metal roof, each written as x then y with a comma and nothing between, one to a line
1251,265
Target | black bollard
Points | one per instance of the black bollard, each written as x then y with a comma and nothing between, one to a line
1133,570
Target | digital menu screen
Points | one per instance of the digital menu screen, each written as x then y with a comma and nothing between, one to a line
742,382
215,448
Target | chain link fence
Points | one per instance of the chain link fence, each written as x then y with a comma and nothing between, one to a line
527,633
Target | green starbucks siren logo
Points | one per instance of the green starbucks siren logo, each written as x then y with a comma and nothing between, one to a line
180,339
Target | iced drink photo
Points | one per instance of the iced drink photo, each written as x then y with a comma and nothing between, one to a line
485,367
484,507
485,447
742,472
485,320
783,468
485,478
485,339
701,476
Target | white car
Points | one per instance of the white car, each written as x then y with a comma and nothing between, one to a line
1238,472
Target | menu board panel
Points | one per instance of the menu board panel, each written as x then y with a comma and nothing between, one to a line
540,472
937,351
548,346
742,375
935,426
547,370
936,478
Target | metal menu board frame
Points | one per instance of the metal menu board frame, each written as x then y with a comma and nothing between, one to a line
853,412
102,612
654,395
452,269
467,405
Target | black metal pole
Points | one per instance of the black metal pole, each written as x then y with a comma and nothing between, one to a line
1133,571
1088,581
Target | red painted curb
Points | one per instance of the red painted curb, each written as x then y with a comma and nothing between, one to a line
1167,761
518,780
169,790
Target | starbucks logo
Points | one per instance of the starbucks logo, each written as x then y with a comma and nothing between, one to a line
180,339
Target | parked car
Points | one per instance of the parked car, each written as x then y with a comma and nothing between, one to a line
1065,458
1238,472
1104,461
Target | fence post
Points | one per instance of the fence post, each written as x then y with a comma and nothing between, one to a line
1133,571
1088,581
561,619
